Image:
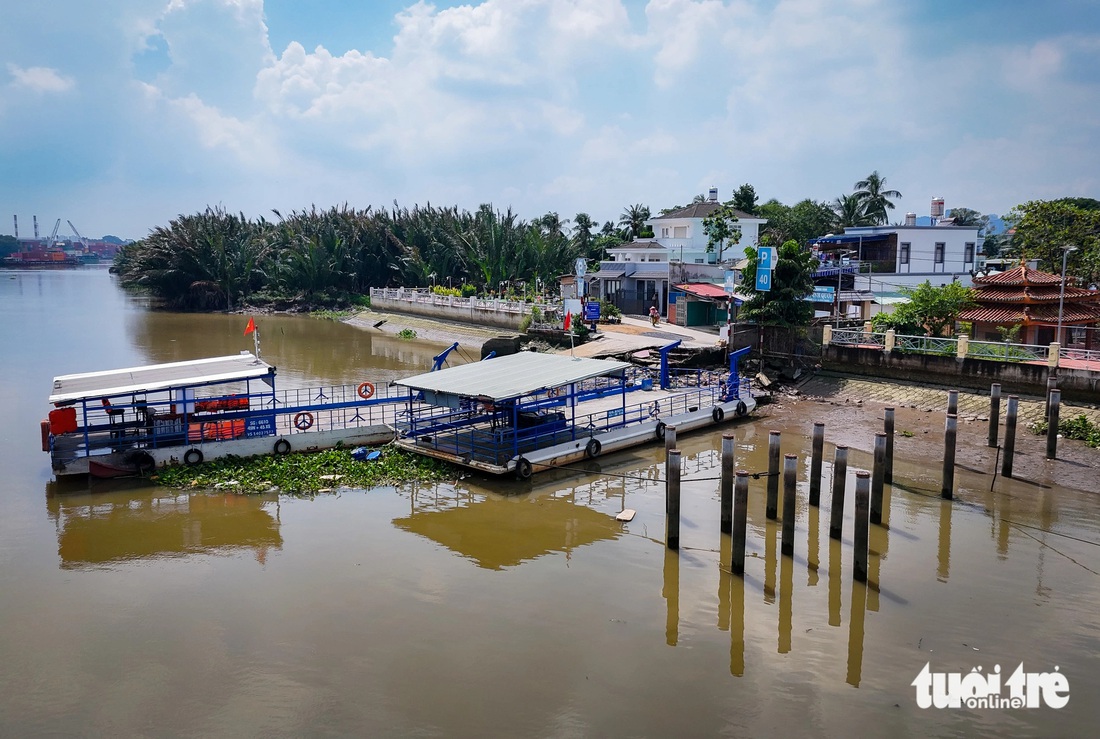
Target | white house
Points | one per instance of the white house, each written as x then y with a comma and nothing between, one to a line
637,275
681,232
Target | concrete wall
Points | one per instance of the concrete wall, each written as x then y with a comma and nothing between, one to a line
978,374
500,314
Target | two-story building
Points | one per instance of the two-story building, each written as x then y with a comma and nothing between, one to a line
637,275
876,262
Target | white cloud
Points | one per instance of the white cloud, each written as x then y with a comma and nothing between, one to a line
40,79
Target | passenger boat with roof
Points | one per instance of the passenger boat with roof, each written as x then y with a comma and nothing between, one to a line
526,412
134,420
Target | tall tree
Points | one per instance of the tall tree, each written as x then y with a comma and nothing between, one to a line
850,212
744,199
721,229
967,217
875,197
1043,227
804,221
633,220
785,303
583,234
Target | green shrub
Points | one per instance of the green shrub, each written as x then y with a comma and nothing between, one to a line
609,310
468,291
406,333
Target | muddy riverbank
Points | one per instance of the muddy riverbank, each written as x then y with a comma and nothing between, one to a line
852,410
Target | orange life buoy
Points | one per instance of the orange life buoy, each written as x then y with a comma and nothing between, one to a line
303,421
553,392
365,390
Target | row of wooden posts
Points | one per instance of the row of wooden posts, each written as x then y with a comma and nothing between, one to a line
734,486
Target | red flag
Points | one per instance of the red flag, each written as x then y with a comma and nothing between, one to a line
250,327
567,317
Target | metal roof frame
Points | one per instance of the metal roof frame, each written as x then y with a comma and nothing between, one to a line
151,377
512,376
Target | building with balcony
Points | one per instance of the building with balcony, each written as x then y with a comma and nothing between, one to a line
637,275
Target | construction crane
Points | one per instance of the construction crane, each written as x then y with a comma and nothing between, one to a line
53,235
81,239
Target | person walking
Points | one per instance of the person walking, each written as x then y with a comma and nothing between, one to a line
654,316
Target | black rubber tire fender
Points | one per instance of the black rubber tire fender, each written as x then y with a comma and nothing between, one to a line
524,469
282,446
593,449
193,456
717,414
659,432
742,409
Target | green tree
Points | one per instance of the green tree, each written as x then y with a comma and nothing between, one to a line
875,197
8,245
850,211
583,235
785,303
967,217
1044,227
721,229
633,220
930,310
804,221
744,199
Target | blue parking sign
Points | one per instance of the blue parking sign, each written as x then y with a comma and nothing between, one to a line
765,258
763,280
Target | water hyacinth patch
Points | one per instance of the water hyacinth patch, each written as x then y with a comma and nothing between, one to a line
306,473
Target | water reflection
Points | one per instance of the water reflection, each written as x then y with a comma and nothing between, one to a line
123,526
671,593
786,603
303,348
943,569
834,582
858,614
496,531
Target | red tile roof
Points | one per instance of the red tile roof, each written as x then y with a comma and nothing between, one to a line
1027,294
1072,313
703,290
1019,275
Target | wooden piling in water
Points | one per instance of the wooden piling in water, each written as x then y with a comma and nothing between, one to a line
994,412
840,480
1010,435
740,521
670,444
1053,415
888,429
725,484
672,520
815,463
878,474
952,402
790,482
772,508
862,528
950,431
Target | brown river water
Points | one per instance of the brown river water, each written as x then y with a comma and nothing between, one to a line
484,607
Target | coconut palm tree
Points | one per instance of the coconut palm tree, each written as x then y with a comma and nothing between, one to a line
633,220
875,197
850,211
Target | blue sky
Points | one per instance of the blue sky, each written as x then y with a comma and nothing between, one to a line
121,114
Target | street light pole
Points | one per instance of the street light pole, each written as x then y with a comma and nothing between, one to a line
1062,294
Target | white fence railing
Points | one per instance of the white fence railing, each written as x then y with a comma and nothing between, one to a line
962,347
424,296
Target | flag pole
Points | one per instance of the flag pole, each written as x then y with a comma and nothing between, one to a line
256,339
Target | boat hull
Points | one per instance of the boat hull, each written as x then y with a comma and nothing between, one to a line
120,463
578,449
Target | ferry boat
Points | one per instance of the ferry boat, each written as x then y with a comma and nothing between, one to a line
137,419
528,412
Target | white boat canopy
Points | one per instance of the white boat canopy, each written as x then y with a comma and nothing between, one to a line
512,376
72,388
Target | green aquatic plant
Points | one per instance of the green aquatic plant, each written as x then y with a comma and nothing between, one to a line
305,473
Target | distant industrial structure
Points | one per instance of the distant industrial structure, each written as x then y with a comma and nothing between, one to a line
55,252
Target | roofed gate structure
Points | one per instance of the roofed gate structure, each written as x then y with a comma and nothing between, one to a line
1029,298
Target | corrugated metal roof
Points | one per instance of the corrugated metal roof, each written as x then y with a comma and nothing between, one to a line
512,376
69,388
704,290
